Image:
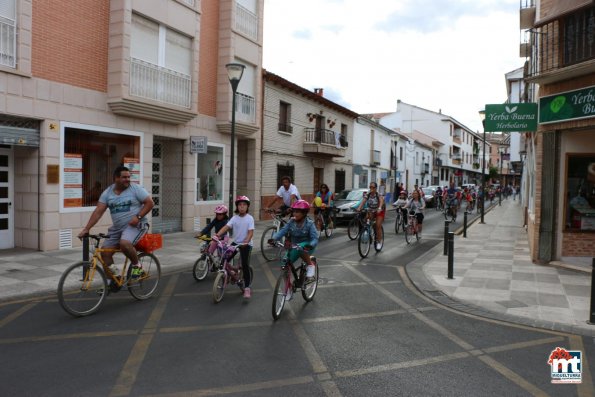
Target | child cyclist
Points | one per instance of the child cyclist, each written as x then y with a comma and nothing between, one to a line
242,224
221,219
401,203
301,231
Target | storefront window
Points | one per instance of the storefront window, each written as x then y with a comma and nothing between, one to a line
580,193
209,175
90,158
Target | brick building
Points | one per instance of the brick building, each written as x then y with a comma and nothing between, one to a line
88,85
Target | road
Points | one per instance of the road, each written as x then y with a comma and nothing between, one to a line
367,332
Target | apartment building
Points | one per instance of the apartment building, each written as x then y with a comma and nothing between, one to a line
88,85
559,46
305,136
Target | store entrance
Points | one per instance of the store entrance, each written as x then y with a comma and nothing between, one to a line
166,188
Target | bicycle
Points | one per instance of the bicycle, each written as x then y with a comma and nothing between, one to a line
206,260
411,228
292,279
368,236
438,204
325,223
83,287
355,226
229,272
272,253
449,211
400,222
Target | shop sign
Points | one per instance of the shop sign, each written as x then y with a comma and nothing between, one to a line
133,164
570,105
511,117
198,144
73,180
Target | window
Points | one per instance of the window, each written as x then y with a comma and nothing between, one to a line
161,63
8,43
285,117
401,153
344,135
363,180
339,181
580,192
285,170
90,158
209,174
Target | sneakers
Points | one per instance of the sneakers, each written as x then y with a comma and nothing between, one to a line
137,271
289,295
247,293
378,246
310,271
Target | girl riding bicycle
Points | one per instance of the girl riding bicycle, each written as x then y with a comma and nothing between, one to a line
242,225
323,202
375,202
221,219
416,206
302,231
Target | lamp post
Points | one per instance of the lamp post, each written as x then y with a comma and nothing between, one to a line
482,116
234,73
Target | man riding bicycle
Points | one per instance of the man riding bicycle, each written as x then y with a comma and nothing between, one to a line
288,193
129,203
452,199
375,203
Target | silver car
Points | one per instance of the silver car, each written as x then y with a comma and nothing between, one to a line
345,201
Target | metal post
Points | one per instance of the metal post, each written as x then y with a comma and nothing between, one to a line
592,311
483,176
85,249
465,224
500,197
451,249
446,223
233,144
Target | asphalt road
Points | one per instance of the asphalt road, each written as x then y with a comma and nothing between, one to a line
368,332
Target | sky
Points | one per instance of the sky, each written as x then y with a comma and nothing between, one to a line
448,55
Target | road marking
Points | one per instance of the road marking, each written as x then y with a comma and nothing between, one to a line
208,293
168,330
401,365
585,389
271,384
522,345
353,316
68,336
512,376
130,370
17,313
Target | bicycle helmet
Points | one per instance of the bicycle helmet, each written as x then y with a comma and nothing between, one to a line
300,205
221,209
403,193
243,199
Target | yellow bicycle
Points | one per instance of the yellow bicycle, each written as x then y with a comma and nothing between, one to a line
83,287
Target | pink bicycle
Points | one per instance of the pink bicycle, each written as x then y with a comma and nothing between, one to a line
229,272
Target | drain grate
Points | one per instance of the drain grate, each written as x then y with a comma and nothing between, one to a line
436,293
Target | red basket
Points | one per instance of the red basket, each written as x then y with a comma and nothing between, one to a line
149,243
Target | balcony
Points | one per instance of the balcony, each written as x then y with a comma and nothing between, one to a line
246,22
561,49
425,168
325,143
285,128
527,14
374,157
8,44
245,108
456,136
159,84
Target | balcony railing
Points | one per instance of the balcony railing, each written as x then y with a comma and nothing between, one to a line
328,137
285,128
245,108
8,43
563,42
159,84
375,157
246,22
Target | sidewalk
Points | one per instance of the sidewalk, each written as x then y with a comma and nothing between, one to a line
494,277
26,272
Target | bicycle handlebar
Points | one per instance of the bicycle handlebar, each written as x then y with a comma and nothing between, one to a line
293,246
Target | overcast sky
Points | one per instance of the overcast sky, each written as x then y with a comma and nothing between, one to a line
437,54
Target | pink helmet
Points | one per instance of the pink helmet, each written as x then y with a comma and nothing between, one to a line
301,205
245,199
221,209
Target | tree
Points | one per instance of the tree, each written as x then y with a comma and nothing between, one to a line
493,172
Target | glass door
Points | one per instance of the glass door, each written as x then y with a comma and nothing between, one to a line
6,195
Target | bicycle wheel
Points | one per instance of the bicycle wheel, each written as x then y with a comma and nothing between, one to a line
201,267
279,294
309,287
398,221
219,287
380,241
146,285
353,229
269,253
445,213
364,242
329,227
408,236
82,289
416,232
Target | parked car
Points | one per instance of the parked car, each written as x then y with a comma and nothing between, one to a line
344,202
429,196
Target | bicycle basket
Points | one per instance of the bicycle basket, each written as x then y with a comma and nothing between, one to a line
149,243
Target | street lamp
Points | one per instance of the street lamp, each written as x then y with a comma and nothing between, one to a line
482,117
234,73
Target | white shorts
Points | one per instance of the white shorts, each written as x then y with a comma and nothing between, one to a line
128,233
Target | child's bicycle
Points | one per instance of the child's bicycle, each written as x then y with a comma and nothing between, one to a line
83,287
411,229
325,221
228,272
367,237
272,253
207,261
292,279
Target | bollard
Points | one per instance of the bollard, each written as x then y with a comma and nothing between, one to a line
500,199
446,223
592,311
465,224
451,249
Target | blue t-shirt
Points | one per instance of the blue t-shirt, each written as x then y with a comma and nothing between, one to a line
124,206
306,233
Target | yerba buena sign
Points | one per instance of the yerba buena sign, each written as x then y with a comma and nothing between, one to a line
511,117
570,105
